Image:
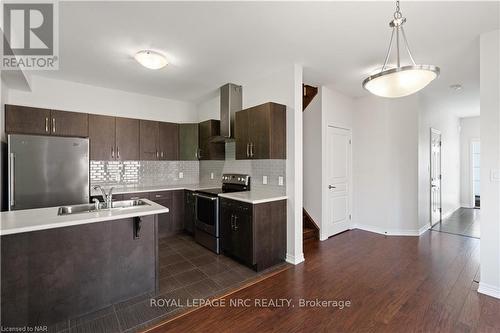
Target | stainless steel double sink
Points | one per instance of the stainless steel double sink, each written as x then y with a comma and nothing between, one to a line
91,208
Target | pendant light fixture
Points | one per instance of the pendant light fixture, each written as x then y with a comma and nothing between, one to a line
401,80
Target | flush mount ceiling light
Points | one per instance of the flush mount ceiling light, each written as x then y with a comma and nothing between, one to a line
151,59
401,80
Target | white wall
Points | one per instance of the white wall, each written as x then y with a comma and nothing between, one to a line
437,116
72,96
490,164
385,159
312,152
469,131
209,108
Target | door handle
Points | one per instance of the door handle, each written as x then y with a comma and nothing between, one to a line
12,180
53,125
331,187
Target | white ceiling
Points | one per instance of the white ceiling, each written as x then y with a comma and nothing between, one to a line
209,44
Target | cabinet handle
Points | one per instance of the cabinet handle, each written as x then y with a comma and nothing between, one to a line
232,222
235,224
117,152
112,152
199,153
46,124
248,147
53,125
158,195
135,198
157,154
161,154
251,149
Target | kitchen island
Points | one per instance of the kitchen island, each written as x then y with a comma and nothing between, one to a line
54,267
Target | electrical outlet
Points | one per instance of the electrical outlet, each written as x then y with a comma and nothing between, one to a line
181,175
264,180
280,180
495,175
212,175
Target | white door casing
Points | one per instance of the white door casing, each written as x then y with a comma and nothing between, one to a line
435,177
338,180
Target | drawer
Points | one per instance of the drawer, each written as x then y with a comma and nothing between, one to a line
160,195
135,196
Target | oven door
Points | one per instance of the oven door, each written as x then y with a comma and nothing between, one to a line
207,213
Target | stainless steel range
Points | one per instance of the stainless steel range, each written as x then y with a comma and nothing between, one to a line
207,231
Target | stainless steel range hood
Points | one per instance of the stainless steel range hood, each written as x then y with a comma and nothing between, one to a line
230,103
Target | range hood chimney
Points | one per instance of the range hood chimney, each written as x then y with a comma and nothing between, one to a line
230,103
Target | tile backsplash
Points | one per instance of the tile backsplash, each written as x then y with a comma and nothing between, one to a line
147,173
144,173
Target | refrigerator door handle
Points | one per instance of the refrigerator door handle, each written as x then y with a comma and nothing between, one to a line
12,178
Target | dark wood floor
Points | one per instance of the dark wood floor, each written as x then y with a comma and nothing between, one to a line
395,284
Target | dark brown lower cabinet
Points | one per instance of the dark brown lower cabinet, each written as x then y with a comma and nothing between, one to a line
189,211
172,222
255,235
51,275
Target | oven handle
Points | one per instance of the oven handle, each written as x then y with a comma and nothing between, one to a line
205,197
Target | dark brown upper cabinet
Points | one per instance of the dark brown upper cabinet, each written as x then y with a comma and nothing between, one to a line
260,132
113,138
149,136
28,120
209,150
168,145
127,139
64,123
188,142
102,137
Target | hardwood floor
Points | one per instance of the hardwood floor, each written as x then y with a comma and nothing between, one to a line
394,284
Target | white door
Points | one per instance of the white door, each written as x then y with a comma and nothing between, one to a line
435,176
338,180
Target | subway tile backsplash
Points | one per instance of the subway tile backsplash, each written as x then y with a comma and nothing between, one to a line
255,168
144,173
147,173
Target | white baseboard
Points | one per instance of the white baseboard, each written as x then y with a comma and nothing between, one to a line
424,229
448,213
391,232
488,289
294,260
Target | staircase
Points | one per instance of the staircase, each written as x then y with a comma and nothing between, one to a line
308,93
309,227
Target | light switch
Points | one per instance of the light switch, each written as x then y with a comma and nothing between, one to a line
181,175
280,180
264,180
212,175
495,175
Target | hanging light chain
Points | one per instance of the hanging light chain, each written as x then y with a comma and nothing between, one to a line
397,13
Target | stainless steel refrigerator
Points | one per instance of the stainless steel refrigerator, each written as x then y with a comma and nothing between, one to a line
46,171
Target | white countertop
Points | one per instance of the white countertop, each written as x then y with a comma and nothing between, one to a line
155,188
14,222
256,196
